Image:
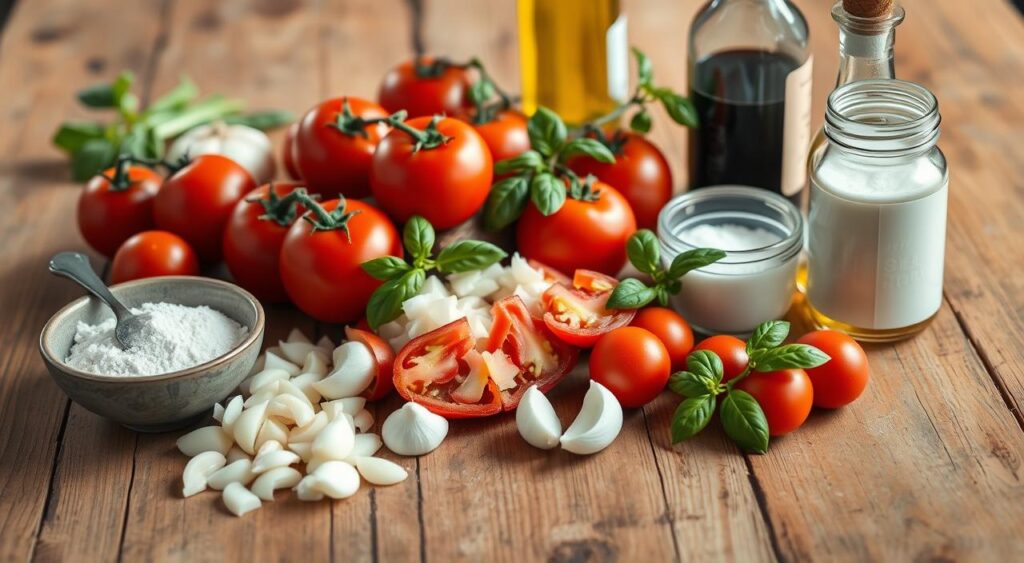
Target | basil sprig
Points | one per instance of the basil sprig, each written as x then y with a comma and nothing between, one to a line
642,250
741,415
404,279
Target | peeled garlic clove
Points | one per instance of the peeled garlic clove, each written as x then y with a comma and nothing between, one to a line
303,450
305,384
315,362
363,421
315,462
296,335
337,479
218,412
277,478
239,471
335,441
308,432
380,471
269,446
231,413
265,377
350,405
274,361
263,394
235,454
326,345
413,430
598,423
273,460
272,430
354,369
205,439
198,470
366,445
248,426
239,500
308,489
536,420
290,407
295,352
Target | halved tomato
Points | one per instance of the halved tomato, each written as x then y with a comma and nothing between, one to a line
384,381
577,314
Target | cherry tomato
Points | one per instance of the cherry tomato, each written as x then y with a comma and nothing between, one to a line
505,135
445,184
424,89
322,271
785,397
576,313
843,378
673,331
252,242
383,381
197,200
640,173
108,215
287,154
334,162
153,253
582,235
731,350
632,363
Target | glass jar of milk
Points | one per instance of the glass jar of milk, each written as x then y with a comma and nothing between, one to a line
877,216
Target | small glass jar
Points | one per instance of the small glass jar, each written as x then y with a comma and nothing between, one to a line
756,279
877,215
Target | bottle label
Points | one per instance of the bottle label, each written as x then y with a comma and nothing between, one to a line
796,135
617,55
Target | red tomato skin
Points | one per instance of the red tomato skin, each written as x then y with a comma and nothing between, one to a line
506,135
841,380
196,202
287,152
640,172
321,271
785,397
632,363
673,331
153,253
383,382
330,161
107,218
582,235
447,94
587,288
731,350
446,185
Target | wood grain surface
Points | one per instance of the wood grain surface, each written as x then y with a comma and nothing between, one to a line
926,466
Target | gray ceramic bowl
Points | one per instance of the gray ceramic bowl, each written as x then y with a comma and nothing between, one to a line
156,403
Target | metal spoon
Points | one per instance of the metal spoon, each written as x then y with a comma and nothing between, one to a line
75,266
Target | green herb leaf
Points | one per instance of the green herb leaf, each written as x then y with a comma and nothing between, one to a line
643,252
107,95
481,91
640,122
689,384
120,88
529,160
135,142
73,134
177,98
589,147
547,193
93,156
680,109
706,364
693,259
631,293
263,120
418,237
789,356
744,421
547,131
385,303
468,255
386,267
644,68
692,416
506,202
768,334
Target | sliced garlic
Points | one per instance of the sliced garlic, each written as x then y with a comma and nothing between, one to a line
277,478
308,432
380,471
274,361
365,445
335,441
198,470
363,420
303,449
218,412
205,439
316,362
291,408
239,471
266,376
350,405
272,430
273,460
248,426
536,420
308,489
235,454
413,430
239,500
296,335
598,423
354,369
337,479
231,413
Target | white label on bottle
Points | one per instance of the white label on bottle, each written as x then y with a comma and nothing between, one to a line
617,54
796,135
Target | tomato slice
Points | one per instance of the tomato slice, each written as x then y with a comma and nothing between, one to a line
383,382
577,314
550,274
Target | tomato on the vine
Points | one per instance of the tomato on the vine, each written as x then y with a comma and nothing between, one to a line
632,363
383,380
117,204
505,135
576,312
673,331
785,397
425,87
843,378
287,154
153,253
585,234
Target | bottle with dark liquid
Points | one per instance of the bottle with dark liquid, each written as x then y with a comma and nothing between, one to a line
750,81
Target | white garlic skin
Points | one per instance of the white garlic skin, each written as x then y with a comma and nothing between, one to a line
413,430
536,420
598,423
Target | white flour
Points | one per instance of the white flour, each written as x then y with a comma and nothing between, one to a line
176,337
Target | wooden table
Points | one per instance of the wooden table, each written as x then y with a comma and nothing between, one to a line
926,466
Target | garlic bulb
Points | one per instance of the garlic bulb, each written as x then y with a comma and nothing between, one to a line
536,420
413,430
249,147
598,423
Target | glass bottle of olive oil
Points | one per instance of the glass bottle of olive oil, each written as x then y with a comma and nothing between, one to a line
574,57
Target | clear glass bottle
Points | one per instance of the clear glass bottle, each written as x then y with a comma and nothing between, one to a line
877,215
750,81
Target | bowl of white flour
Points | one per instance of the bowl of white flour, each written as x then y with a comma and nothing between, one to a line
201,338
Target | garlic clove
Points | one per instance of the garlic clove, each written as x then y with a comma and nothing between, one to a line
277,478
269,446
308,432
326,345
231,412
365,445
335,441
289,388
296,335
337,479
291,408
273,460
198,470
598,423
266,376
218,412
248,426
354,369
239,500
302,449
272,430
380,471
536,420
235,454
205,439
274,361
413,430
350,405
296,352
363,420
316,362
304,383
308,489
315,462
239,471
263,394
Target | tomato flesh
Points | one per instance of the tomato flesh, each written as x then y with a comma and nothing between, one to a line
383,382
577,314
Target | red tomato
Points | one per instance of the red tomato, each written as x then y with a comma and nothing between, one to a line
582,235
446,184
785,397
322,271
576,313
640,172
252,243
731,350
331,161
423,89
843,378
197,200
673,331
632,363
287,154
383,381
505,135
153,253
108,215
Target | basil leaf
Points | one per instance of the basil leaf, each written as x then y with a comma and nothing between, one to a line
506,202
644,68
547,131
120,89
468,255
385,267
768,334
418,237
744,421
693,259
92,157
689,384
631,293
643,251
788,357
385,303
177,98
73,134
707,364
640,122
680,109
692,416
529,160
589,147
547,193
135,142
263,120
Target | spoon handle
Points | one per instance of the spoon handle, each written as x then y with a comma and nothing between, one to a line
75,266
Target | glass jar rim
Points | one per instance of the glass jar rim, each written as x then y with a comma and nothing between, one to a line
882,117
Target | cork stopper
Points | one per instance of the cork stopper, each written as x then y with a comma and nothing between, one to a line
868,8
